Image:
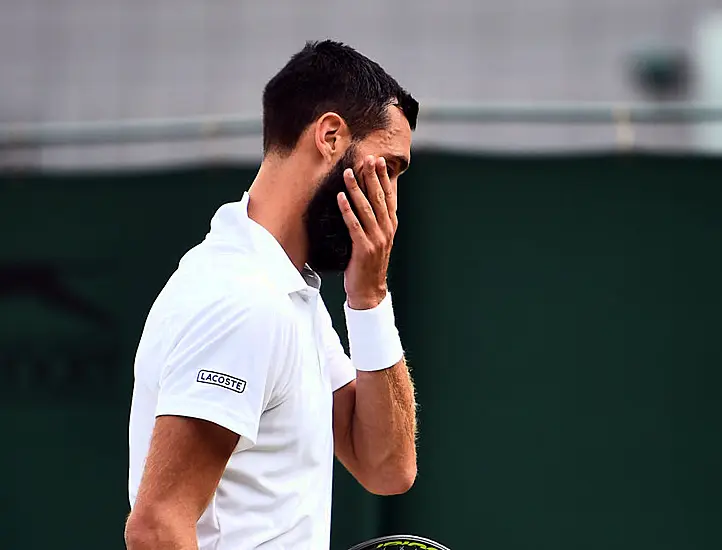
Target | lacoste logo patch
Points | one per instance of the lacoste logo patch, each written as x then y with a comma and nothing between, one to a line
222,380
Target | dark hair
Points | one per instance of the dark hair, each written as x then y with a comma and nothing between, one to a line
330,76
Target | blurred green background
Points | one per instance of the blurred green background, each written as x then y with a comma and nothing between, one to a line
561,316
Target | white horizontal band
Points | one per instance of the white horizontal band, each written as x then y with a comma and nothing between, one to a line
373,336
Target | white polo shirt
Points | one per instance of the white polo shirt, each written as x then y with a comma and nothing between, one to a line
240,338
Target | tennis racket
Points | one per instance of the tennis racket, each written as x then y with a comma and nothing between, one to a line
400,542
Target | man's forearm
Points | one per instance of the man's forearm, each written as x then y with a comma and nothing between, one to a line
384,427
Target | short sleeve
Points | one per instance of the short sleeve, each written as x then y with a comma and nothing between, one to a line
340,368
221,367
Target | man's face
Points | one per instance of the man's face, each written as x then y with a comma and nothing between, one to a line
330,246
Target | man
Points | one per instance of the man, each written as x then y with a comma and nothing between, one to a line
242,389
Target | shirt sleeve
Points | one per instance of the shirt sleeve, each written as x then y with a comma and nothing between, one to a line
222,365
338,363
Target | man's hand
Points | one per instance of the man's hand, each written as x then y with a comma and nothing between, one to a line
372,233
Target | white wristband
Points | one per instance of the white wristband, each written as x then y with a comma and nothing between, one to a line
373,336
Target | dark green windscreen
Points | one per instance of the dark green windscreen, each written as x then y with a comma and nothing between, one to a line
561,316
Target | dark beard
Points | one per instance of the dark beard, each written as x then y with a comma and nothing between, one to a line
329,242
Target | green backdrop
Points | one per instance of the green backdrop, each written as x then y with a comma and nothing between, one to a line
561,316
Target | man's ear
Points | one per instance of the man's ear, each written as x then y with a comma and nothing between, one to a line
331,136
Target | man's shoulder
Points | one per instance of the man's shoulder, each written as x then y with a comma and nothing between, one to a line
206,291
248,293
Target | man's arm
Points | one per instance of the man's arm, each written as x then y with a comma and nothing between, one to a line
375,429
199,425
375,416
185,462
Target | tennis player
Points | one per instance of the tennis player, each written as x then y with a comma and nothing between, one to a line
242,389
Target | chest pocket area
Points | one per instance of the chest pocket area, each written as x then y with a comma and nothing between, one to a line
312,396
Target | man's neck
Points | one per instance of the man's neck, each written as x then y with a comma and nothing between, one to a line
277,201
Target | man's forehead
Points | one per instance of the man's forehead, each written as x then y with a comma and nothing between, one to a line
398,122
395,139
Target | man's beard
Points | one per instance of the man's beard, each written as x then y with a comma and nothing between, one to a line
329,241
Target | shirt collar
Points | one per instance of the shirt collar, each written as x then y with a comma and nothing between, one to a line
232,227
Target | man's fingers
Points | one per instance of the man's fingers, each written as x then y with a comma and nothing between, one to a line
375,191
388,188
354,226
364,210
